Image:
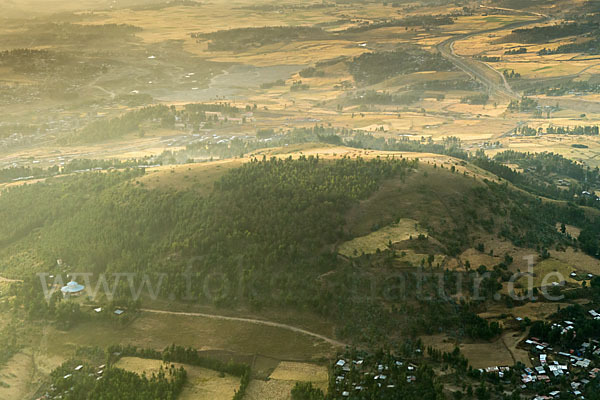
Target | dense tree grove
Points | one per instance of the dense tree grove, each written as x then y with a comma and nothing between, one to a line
525,104
589,46
241,38
562,88
161,116
370,68
93,383
479,99
544,34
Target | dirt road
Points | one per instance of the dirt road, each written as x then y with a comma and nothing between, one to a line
333,342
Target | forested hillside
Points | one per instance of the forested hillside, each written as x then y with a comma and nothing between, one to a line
268,232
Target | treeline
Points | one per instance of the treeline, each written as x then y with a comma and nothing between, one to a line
33,60
591,46
269,85
547,163
586,130
15,173
561,89
489,58
311,72
410,21
158,115
525,104
374,97
511,74
520,50
446,85
129,122
370,68
544,34
64,32
450,146
73,166
530,183
242,38
476,99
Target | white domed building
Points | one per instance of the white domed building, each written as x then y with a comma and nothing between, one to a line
72,289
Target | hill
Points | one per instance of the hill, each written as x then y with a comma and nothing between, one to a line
267,235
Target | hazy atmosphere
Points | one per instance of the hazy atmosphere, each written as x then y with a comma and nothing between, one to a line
299,200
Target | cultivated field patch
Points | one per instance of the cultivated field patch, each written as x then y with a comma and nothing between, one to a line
202,383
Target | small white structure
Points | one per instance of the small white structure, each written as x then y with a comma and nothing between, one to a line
72,289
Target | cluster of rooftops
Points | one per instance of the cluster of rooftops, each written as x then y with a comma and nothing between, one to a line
53,392
553,364
365,375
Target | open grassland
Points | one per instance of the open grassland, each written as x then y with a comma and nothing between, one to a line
200,177
158,331
559,144
302,372
281,381
477,258
533,311
547,272
410,257
404,229
202,383
271,389
581,262
15,377
480,355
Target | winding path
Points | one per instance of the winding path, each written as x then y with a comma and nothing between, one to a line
9,280
333,342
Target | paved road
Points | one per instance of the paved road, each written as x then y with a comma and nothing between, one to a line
493,80
333,342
